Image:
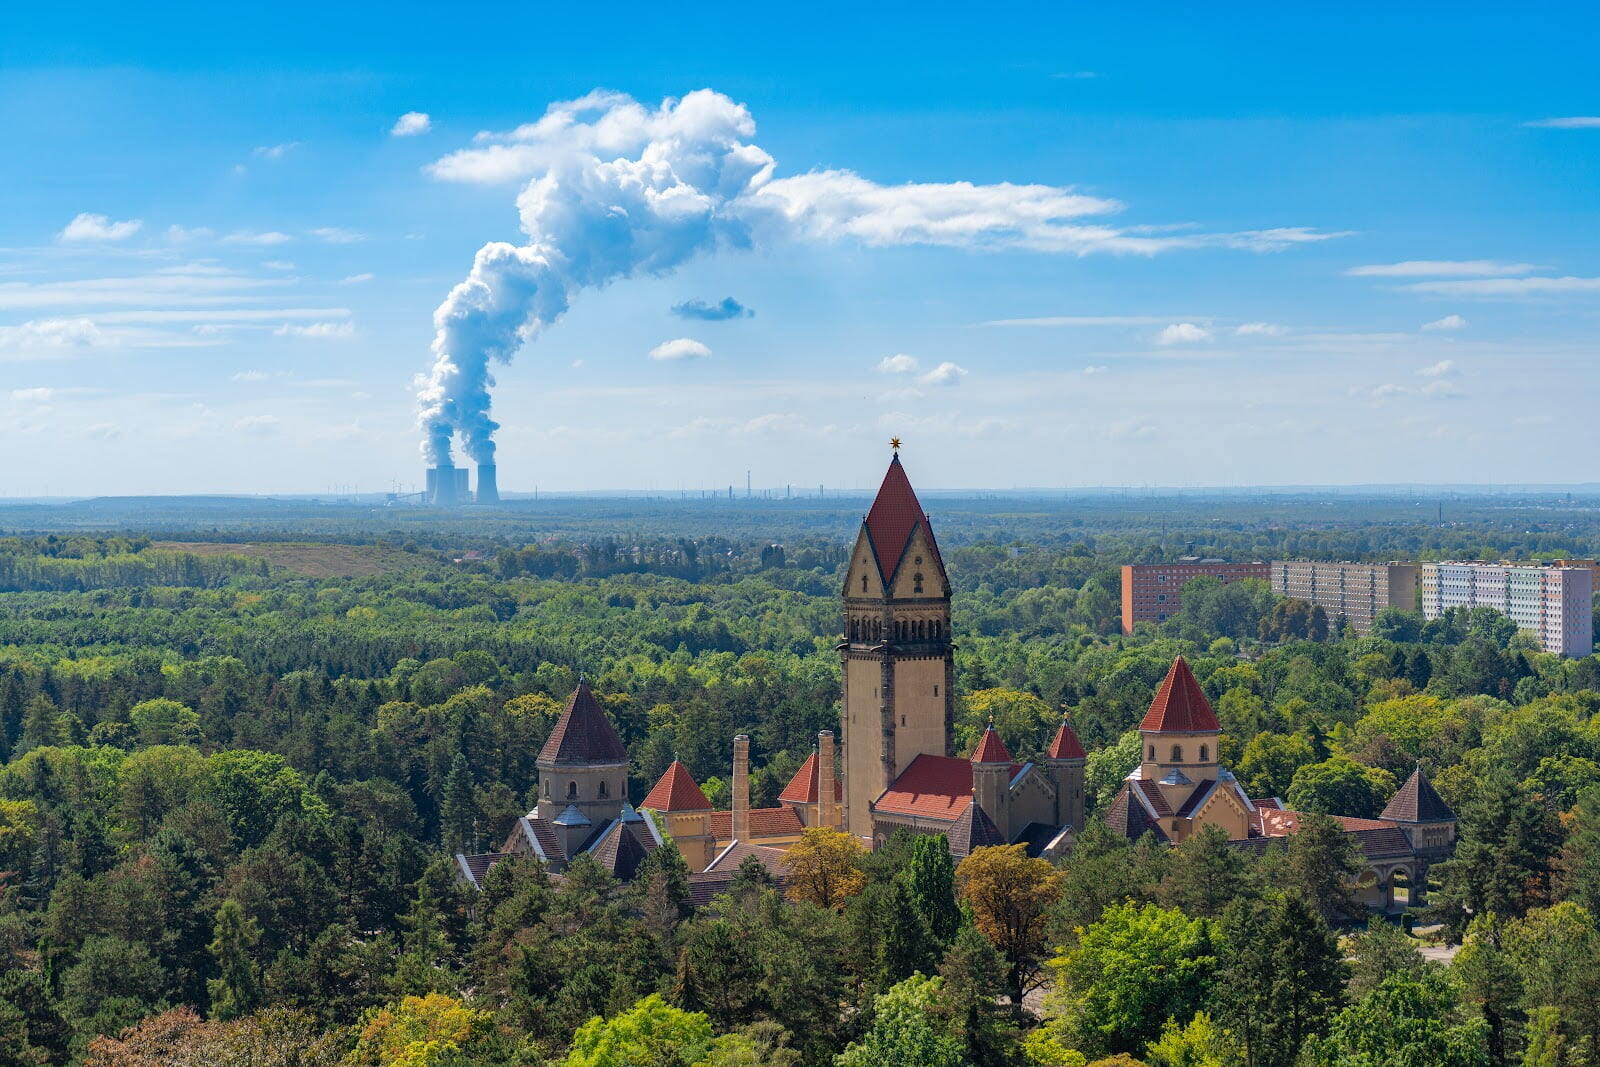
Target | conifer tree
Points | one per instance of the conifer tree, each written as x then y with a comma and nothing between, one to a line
238,990
458,814
42,725
908,947
1204,874
930,877
1285,979
1502,862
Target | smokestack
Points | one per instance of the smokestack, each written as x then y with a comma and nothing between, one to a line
827,806
488,491
741,788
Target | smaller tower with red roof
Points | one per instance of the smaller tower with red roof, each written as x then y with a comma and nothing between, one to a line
1066,761
991,779
1179,733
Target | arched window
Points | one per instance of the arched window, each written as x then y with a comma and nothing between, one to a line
1152,753
547,790
916,583
1204,753
863,583
1177,753
572,790
605,791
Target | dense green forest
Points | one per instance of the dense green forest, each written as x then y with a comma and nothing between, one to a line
231,788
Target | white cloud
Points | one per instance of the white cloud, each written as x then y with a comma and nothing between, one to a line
1097,369
681,348
87,227
824,204
1083,320
1568,122
250,237
277,264
251,376
1439,369
1449,322
194,284
946,373
337,235
1440,268
179,234
1258,329
276,151
897,364
257,424
1182,333
1508,287
357,279
39,395
411,123
49,336
328,330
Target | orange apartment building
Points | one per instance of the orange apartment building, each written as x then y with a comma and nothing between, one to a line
1151,591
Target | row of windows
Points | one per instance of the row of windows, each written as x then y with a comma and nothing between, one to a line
867,629
1177,754
603,793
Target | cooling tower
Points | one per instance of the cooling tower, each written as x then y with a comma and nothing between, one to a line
447,486
488,491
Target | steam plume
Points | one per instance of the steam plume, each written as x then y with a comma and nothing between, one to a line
616,189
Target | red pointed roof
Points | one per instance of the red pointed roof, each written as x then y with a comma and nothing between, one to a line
676,791
583,734
893,518
1066,744
802,788
1180,705
991,749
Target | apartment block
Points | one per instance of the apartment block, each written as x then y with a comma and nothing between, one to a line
1554,603
1357,591
1151,591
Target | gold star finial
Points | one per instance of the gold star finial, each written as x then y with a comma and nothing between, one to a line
894,443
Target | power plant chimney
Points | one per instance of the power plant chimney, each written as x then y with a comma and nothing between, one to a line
488,491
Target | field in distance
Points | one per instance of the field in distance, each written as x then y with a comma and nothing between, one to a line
311,559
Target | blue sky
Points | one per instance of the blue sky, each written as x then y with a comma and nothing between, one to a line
1312,246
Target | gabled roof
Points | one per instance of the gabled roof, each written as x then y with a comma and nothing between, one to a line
583,734
1066,744
972,831
473,868
620,850
676,791
1180,705
934,787
893,518
1129,817
764,822
1417,801
802,788
990,748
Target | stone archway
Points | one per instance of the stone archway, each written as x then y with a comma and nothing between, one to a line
1400,890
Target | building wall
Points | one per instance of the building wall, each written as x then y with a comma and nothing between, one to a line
1358,591
1555,604
1150,591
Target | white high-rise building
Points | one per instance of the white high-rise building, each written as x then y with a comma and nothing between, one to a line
1554,603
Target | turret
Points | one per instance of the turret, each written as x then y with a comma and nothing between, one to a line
1065,760
583,764
991,779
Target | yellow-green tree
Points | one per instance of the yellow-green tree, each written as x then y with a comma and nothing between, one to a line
824,868
1011,896
430,1031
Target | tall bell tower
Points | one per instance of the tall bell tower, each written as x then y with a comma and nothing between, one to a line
898,666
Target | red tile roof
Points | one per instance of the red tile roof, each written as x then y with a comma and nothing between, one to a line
802,788
583,734
676,791
972,831
935,787
990,748
1066,744
1180,705
893,518
1417,801
1152,793
764,822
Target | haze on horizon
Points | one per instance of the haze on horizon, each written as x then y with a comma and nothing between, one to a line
1248,249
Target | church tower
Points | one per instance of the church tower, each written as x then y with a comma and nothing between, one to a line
898,667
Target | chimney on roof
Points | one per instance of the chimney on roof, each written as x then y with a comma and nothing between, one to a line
827,804
741,788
